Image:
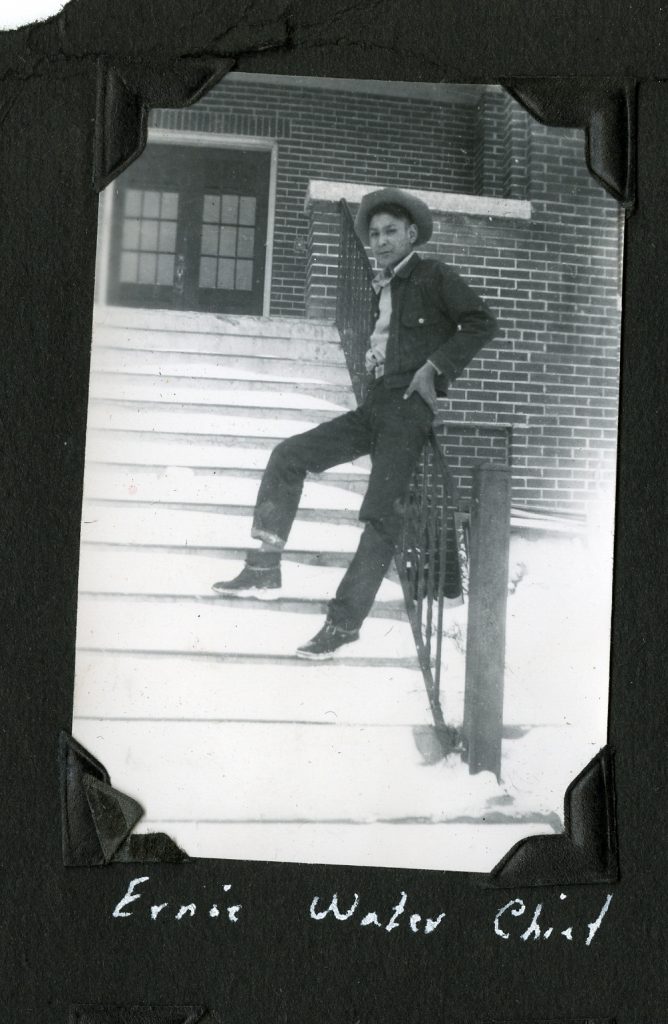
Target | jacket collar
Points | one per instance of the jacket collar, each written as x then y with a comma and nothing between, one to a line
407,268
384,277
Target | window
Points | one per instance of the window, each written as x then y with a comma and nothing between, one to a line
148,241
228,242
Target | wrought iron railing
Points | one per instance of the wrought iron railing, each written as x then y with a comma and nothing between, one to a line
428,564
354,300
427,559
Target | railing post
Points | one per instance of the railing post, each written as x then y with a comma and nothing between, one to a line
486,633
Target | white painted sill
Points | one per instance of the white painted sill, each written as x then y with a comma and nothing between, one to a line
438,202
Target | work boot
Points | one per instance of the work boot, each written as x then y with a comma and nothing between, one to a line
260,577
329,639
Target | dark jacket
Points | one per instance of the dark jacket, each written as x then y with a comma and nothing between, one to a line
435,316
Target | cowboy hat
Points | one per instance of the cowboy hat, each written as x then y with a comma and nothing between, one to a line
417,211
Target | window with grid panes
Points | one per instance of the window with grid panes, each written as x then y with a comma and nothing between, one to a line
228,242
148,240
190,230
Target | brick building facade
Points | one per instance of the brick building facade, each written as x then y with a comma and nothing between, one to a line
335,135
516,212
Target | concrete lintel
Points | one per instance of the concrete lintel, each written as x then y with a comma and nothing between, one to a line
438,202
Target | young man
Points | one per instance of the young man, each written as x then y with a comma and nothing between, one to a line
429,325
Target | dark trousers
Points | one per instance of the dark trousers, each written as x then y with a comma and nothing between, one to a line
389,428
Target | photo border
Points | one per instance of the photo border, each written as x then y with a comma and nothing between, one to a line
41,563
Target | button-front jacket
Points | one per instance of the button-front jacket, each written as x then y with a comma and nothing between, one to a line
436,316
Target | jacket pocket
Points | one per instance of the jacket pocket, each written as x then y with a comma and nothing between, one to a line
421,332
417,318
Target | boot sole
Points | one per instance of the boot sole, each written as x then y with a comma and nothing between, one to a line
260,594
306,656
325,656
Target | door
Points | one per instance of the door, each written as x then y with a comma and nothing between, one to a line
190,229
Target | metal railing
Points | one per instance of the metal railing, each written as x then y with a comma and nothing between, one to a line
428,565
427,558
354,300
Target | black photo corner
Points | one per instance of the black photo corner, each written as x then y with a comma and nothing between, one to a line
104,925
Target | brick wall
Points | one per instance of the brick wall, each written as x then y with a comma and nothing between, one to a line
552,374
550,378
322,261
491,156
467,444
342,137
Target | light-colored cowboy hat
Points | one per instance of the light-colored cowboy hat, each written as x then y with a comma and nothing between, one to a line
418,212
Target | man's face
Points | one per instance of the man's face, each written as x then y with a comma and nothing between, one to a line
391,238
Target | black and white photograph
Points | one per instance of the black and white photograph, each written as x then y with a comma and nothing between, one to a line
345,579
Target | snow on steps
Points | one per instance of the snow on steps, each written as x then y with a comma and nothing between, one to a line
344,772
190,395
177,414
123,685
252,394
217,365
148,489
184,322
231,630
107,384
175,456
169,420
172,527
183,578
182,485
129,436
155,346
207,689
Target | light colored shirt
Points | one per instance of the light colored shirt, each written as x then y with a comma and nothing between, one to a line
375,356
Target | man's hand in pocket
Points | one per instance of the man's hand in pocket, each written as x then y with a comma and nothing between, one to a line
423,383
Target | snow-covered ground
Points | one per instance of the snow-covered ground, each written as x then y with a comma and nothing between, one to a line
556,693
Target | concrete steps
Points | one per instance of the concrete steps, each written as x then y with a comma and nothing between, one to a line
278,603
151,686
222,550
262,664
181,322
154,391
139,386
178,413
170,419
306,515
128,525
129,436
112,623
350,479
183,486
165,344
191,573
184,491
182,579
218,366
195,702
201,454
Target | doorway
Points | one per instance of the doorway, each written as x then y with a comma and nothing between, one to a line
189,229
